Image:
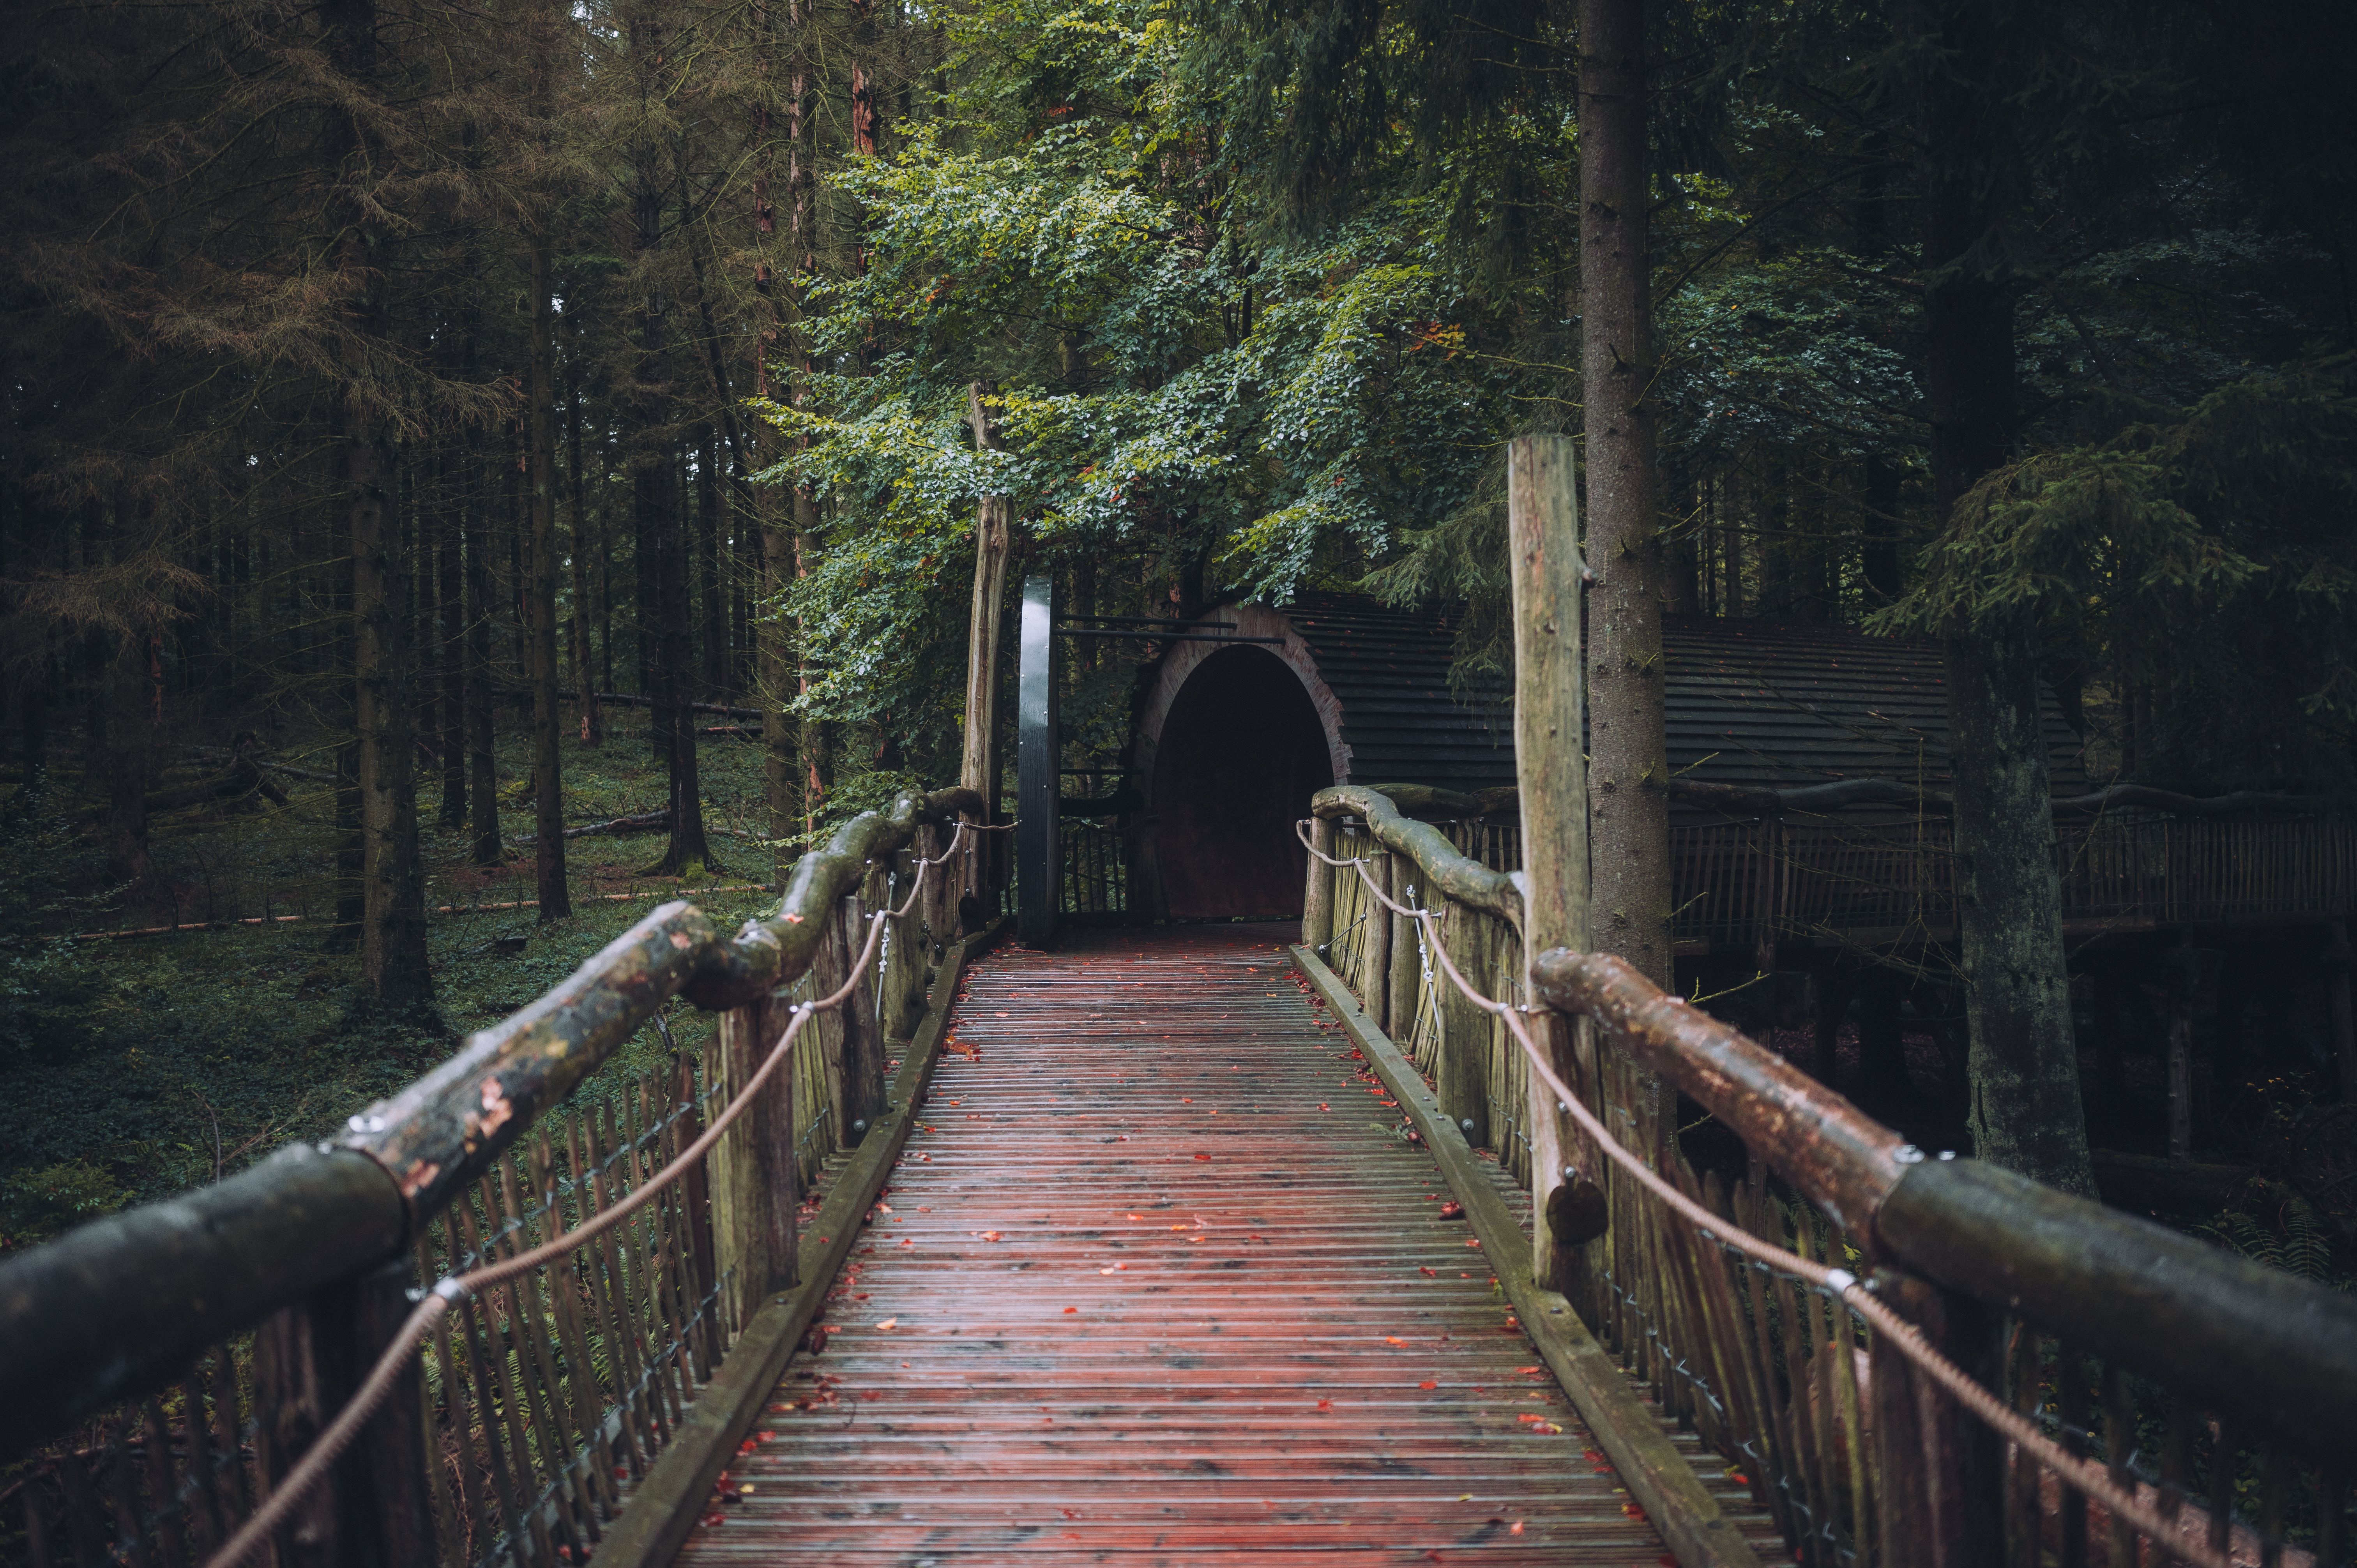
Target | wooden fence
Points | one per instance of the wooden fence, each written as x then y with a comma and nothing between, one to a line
153,1421
2222,1392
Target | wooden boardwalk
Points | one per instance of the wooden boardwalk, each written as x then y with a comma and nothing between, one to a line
1154,1284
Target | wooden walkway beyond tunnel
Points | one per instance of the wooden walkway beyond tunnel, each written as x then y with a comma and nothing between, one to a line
1157,1280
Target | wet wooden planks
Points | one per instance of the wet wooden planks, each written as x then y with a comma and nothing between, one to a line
1156,1282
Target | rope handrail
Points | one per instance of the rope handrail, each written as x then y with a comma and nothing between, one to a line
2088,1477
436,1301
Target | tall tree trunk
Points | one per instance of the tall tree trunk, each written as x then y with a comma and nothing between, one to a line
708,534
393,968
1629,771
352,837
773,630
2022,1064
547,768
810,736
482,764
593,728
663,522
451,639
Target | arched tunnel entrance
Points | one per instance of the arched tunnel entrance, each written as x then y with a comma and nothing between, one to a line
1240,754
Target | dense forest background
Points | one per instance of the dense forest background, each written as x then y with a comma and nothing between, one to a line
385,380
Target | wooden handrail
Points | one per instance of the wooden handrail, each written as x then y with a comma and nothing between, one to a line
99,1314
1466,881
2266,1347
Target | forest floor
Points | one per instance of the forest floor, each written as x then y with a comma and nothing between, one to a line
148,1064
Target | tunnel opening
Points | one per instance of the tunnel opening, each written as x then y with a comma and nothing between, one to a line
1241,754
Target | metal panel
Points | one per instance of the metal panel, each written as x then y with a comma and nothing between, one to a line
1746,701
1037,864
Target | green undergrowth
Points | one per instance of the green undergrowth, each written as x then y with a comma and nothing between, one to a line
133,1069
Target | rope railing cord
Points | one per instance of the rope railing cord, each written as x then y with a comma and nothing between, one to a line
436,1302
2089,1477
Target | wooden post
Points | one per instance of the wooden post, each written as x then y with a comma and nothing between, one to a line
753,1175
938,909
904,970
1941,1485
1318,898
863,1036
1407,962
1544,570
375,1511
978,763
1462,1073
1376,965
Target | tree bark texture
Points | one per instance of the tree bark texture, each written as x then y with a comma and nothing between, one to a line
547,768
593,723
1628,805
450,640
774,630
2022,1063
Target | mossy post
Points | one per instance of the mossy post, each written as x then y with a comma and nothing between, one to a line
1318,898
1544,570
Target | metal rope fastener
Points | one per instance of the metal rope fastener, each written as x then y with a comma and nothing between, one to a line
409,1339
2090,1478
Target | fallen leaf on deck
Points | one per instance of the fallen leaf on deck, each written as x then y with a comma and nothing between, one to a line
889,1323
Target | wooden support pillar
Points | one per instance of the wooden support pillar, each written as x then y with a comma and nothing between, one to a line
863,1034
904,968
755,1184
1462,1073
1374,975
825,978
1940,1496
376,1510
1544,570
1407,958
938,903
1318,898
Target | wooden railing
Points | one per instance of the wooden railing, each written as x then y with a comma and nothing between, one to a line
2220,1392
162,1369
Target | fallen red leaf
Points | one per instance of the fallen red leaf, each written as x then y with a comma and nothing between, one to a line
1427,1385
1202,1156
1071,1309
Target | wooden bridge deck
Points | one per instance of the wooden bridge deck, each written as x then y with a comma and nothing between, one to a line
1153,1284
